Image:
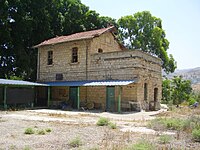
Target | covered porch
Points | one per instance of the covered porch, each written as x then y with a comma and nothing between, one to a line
106,95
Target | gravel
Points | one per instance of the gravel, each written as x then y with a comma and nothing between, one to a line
69,125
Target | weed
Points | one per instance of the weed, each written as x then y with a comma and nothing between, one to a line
27,148
103,121
76,142
41,132
29,131
167,123
196,134
141,145
112,125
48,130
164,139
13,147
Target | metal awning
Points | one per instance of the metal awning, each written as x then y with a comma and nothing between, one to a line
91,83
19,83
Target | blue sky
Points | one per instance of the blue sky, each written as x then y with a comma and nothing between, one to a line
180,20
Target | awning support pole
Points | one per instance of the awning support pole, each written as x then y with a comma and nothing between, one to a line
49,95
78,97
5,97
119,99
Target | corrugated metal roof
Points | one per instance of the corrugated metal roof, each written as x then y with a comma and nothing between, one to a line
19,83
91,83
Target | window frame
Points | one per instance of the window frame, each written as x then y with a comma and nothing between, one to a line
50,57
74,55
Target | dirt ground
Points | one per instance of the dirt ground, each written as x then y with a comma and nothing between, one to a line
66,126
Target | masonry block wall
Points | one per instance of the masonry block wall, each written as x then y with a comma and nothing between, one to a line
112,63
62,57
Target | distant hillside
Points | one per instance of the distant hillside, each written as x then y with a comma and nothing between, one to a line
189,74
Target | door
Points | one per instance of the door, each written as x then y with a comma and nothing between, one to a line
41,96
73,96
110,98
155,97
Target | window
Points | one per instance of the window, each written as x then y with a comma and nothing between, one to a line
145,92
50,58
74,54
100,50
59,76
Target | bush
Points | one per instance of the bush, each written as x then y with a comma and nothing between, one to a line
103,121
164,139
48,130
29,131
196,134
191,101
112,125
174,123
41,132
76,142
141,145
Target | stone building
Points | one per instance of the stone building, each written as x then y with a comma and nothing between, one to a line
92,69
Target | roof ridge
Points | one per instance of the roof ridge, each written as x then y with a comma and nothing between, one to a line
75,36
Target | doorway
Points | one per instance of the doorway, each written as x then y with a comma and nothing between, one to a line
155,98
73,96
110,98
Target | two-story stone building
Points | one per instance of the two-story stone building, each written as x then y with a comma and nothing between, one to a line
92,68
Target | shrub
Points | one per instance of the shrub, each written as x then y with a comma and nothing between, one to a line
76,142
196,134
112,125
41,132
191,101
141,145
103,121
27,148
29,131
164,139
168,123
48,130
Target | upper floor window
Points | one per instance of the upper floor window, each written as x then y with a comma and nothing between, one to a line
50,58
100,50
74,54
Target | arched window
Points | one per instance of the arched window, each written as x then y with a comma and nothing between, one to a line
155,94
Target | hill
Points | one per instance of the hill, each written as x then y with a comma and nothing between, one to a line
192,74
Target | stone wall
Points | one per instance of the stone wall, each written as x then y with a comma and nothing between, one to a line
62,56
112,64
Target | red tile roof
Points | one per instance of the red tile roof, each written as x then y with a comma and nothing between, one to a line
76,36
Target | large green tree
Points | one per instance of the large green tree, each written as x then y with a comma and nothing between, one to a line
144,31
176,90
25,23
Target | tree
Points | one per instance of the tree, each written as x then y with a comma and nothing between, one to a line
176,90
144,32
181,89
166,91
25,23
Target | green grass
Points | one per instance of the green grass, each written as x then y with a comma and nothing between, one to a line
112,125
103,121
29,131
196,134
41,132
164,139
141,145
76,142
48,130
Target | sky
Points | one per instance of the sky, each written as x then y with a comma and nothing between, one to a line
180,20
